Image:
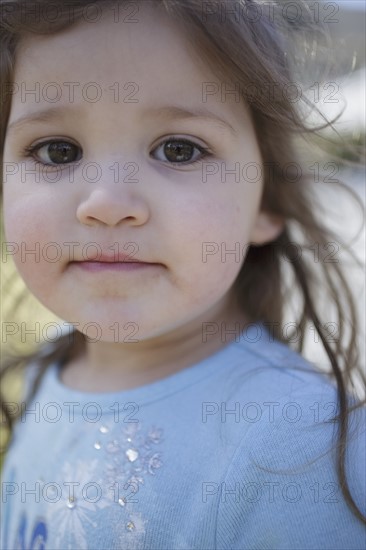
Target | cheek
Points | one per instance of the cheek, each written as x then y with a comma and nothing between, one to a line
213,245
25,206
221,225
27,232
23,226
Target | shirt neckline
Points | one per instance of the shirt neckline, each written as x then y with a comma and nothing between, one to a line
56,389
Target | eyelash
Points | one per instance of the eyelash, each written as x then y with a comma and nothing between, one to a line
29,152
205,151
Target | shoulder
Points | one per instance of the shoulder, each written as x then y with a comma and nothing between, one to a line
281,488
297,406
272,370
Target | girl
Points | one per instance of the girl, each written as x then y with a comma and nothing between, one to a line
152,199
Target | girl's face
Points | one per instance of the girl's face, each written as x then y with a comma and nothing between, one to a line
106,102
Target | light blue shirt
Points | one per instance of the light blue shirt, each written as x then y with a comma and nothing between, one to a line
230,453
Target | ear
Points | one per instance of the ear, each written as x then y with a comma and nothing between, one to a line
267,228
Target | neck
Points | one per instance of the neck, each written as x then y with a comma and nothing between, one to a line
105,366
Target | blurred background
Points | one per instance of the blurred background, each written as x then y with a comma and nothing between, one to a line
348,35
343,92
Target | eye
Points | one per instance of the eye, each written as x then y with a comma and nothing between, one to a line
54,153
179,151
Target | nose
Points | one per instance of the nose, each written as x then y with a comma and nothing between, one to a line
102,206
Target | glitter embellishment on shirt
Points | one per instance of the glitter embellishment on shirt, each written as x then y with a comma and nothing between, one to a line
125,456
70,511
130,455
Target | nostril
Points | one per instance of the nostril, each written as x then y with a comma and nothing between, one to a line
103,206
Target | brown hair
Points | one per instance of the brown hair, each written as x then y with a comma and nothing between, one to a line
256,50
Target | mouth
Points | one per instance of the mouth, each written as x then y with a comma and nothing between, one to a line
94,266
115,258
116,262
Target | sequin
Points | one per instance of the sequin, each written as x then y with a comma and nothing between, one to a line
97,445
71,503
130,526
135,480
154,463
132,455
113,447
104,429
154,435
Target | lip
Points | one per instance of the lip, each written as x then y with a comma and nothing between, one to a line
114,258
125,266
113,262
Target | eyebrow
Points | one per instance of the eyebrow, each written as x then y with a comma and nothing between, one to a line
46,115
168,112
181,113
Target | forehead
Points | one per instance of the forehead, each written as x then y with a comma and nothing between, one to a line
151,46
118,62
